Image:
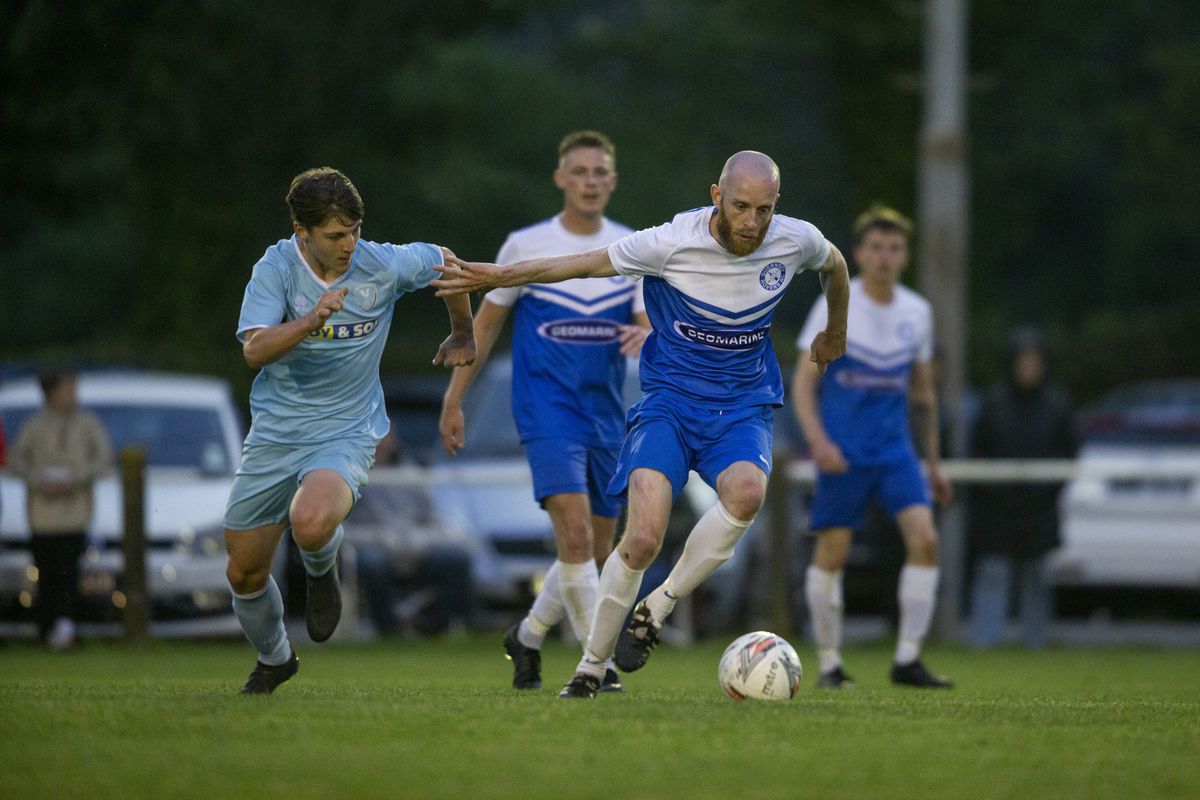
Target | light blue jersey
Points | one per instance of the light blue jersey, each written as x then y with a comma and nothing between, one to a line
712,310
864,394
568,370
327,387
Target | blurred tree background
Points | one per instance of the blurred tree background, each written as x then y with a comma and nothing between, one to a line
145,149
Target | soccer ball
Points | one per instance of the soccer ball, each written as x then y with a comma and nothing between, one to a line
761,666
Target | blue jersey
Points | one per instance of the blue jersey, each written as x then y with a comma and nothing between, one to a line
864,394
711,310
327,387
568,370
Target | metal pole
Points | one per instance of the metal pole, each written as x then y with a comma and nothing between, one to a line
942,234
135,616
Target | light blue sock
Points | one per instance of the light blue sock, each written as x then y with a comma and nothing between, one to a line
261,617
318,562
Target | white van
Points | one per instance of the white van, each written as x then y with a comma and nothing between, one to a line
192,433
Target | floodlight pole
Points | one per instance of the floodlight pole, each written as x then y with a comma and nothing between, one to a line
942,228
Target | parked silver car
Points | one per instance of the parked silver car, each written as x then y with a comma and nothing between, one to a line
192,433
1131,517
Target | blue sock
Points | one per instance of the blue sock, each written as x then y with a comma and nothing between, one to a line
261,617
318,562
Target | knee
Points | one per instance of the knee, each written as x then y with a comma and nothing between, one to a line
575,541
743,496
640,546
310,529
246,579
923,548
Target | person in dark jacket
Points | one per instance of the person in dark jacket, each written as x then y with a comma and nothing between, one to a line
1014,526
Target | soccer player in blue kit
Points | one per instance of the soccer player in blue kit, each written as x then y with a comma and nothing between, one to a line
713,277
860,439
569,346
314,321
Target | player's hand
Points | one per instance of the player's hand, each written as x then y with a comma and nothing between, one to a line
457,351
330,302
462,277
829,458
943,489
632,337
452,429
827,346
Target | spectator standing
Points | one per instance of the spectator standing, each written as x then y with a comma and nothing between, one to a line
59,452
1014,526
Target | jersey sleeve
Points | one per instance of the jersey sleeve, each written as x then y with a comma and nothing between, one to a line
643,253
925,346
265,302
639,299
814,247
818,316
413,264
506,296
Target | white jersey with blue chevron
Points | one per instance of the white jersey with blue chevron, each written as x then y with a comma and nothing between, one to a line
864,394
712,310
327,386
567,366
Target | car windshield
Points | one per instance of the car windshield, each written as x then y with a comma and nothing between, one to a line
1165,413
173,436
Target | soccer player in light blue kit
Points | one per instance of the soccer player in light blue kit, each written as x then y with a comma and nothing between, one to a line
713,277
569,346
314,321
859,436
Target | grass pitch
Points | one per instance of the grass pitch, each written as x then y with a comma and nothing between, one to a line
437,719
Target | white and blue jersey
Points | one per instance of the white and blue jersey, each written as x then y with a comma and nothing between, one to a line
864,394
326,388
711,310
568,370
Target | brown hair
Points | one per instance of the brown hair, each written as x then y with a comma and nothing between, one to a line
320,193
576,139
881,218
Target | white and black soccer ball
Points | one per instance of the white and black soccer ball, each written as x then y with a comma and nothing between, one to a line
761,666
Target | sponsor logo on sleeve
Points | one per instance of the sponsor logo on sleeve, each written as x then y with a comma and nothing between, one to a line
581,331
722,340
772,275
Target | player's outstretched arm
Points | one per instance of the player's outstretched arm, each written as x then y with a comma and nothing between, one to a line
830,344
458,349
460,277
262,346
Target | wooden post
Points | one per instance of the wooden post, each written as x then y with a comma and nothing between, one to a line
136,614
779,487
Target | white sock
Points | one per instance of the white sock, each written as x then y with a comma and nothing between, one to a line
615,595
709,545
917,593
547,611
579,583
823,590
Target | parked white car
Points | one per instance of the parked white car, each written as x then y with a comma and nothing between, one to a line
1131,517
192,433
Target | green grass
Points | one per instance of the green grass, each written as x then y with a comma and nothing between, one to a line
437,719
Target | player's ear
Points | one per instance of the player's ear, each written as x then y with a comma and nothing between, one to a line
715,193
300,230
560,179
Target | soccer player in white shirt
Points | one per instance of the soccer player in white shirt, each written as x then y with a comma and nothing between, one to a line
314,322
859,435
570,341
713,277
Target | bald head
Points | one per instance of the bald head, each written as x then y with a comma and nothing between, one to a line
749,167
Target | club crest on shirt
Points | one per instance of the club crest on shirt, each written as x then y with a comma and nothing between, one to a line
302,304
366,296
772,275
905,331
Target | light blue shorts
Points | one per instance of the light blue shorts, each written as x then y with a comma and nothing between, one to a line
840,500
673,435
269,475
560,466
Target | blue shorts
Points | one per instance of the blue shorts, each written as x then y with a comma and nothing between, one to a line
560,466
840,500
673,435
269,475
